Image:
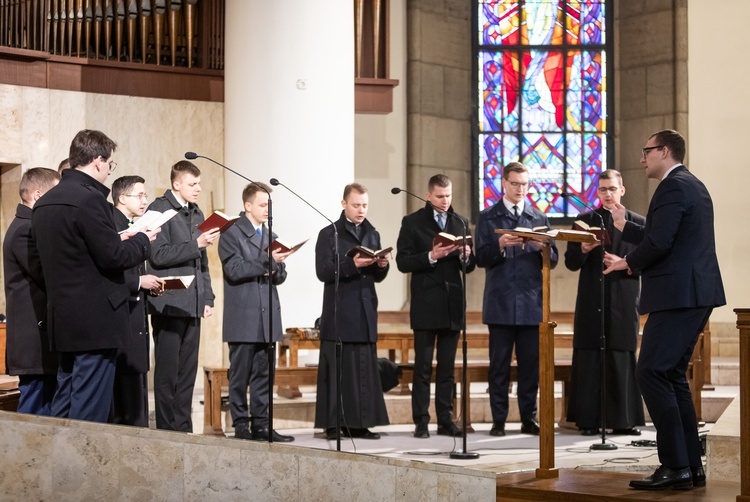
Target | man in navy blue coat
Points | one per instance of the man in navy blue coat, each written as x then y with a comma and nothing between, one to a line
676,257
512,297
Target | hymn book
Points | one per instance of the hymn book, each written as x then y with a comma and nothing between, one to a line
151,220
446,239
600,233
285,247
218,220
369,253
176,282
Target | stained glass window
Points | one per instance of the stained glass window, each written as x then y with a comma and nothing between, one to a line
542,99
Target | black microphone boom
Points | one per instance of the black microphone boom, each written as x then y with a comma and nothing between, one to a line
191,155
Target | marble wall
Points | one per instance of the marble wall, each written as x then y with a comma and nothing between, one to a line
52,459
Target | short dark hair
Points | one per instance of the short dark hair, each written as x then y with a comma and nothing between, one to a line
611,174
63,165
122,185
37,178
248,194
88,145
357,187
514,167
183,167
439,180
672,140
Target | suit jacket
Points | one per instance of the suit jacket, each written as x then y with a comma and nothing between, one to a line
676,254
621,292
27,351
513,283
245,265
84,259
436,290
175,252
357,310
133,356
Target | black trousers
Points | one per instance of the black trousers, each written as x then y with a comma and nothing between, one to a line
526,341
424,346
84,385
248,366
176,343
669,337
130,400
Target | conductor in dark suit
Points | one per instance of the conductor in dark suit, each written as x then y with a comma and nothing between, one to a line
28,354
512,305
84,259
624,409
352,318
681,286
246,282
130,400
437,308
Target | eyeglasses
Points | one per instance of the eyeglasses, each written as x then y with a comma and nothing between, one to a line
516,184
607,189
143,196
645,151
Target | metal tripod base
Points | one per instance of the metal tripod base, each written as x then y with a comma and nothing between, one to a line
603,446
464,455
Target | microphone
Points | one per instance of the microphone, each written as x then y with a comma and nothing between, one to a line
275,182
193,156
395,190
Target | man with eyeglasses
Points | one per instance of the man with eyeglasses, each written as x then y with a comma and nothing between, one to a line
84,261
624,411
676,257
512,297
130,400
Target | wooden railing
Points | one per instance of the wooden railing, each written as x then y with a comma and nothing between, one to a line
184,33
743,325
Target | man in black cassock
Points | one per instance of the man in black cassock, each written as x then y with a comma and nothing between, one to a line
624,410
354,324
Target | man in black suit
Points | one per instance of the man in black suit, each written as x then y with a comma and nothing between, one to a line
437,308
28,354
84,259
179,250
244,259
350,316
624,409
130,401
676,257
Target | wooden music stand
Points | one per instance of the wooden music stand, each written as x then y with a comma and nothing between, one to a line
547,468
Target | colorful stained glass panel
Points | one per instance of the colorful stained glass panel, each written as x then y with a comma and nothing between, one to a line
542,23
498,22
543,95
497,151
499,84
585,22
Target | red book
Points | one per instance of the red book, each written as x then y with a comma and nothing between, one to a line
218,220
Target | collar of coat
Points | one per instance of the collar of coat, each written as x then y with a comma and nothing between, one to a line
175,203
76,176
342,221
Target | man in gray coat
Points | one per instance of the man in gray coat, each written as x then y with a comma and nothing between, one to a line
179,250
244,259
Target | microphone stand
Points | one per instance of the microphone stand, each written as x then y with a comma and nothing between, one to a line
458,454
271,349
336,274
602,354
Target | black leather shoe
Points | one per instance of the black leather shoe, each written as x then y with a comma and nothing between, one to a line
449,429
498,429
262,435
243,433
352,432
331,434
699,476
530,427
632,431
663,478
421,431
589,432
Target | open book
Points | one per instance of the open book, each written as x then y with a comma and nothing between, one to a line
369,253
600,233
447,239
565,235
177,282
218,220
151,220
285,247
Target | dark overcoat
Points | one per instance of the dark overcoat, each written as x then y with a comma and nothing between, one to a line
436,290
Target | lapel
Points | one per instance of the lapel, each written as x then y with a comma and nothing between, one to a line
248,230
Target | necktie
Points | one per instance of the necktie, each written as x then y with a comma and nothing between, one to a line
357,230
259,232
440,218
515,211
